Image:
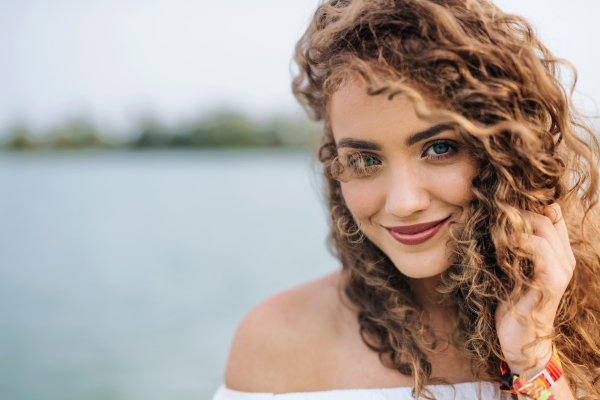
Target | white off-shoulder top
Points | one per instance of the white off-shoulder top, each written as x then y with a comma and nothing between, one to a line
459,391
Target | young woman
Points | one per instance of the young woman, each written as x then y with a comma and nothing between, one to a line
462,186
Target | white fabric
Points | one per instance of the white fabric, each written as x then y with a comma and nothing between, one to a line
461,391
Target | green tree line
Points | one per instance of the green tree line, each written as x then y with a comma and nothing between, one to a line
216,130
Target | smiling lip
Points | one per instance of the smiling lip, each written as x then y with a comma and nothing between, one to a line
417,234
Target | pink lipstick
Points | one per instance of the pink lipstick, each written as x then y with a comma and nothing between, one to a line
418,233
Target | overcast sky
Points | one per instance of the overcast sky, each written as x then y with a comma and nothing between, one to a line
114,60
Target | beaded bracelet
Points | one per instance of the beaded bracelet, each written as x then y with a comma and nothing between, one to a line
539,386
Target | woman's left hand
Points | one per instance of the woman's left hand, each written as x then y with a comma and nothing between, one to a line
551,246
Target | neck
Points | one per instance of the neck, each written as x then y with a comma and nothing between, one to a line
424,291
425,294
440,321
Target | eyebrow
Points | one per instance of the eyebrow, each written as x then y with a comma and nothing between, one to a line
358,144
426,134
412,139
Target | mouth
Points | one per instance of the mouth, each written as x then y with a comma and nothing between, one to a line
417,234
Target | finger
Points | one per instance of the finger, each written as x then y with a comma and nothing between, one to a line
553,272
542,226
542,251
554,212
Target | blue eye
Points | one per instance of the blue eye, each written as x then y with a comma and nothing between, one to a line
440,150
369,161
362,164
366,160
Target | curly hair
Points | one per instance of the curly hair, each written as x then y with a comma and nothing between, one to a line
490,77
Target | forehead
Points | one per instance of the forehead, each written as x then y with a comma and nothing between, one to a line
354,113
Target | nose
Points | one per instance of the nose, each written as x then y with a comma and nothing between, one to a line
407,192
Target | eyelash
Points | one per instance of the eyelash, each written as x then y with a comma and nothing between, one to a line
358,156
453,149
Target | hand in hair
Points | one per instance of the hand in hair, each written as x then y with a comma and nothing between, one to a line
524,329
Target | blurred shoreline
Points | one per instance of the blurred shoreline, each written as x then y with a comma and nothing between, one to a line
222,129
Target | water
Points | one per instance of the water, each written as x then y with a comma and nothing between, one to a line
124,275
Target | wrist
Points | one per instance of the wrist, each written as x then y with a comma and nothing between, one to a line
535,385
541,352
542,357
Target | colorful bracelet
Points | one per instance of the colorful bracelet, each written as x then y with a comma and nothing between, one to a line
539,386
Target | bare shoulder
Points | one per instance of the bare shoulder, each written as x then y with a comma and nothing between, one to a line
277,343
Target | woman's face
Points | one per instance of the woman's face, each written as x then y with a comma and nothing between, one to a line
418,177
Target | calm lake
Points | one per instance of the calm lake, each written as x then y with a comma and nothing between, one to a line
123,275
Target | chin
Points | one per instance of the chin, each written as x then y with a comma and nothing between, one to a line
420,266
421,274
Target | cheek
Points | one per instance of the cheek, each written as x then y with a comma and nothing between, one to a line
454,184
363,199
